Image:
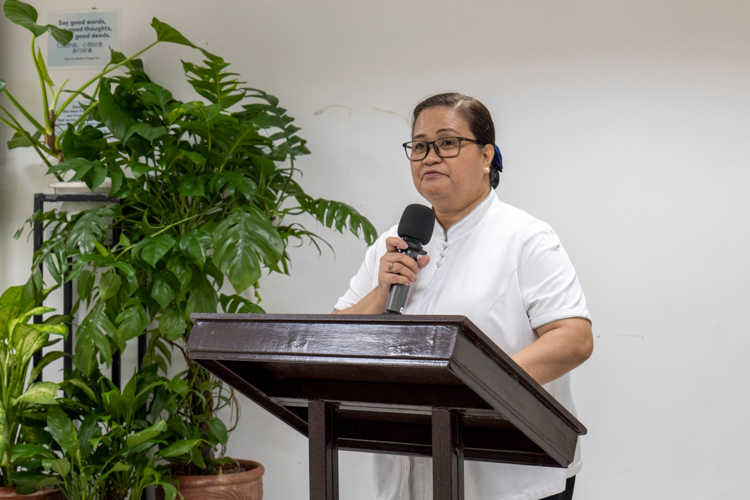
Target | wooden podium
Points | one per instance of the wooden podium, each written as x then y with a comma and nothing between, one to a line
414,385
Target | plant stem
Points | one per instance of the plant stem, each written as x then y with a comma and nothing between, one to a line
97,77
23,111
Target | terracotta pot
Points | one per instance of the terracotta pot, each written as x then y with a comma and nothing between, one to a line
48,494
246,485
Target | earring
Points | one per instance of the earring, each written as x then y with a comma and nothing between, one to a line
486,170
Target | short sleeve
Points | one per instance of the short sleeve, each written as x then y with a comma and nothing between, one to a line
549,285
362,282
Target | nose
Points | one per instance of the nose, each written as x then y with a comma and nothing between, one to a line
432,156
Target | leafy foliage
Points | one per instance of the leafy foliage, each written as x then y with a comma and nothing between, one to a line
113,450
21,398
207,193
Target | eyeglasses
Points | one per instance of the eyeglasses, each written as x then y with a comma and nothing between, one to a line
445,147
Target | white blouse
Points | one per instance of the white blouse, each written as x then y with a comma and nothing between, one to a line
509,274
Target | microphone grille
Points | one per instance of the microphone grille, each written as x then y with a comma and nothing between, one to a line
418,222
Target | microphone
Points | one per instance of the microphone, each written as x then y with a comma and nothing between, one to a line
415,228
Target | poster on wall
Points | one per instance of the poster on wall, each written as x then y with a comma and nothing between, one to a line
94,32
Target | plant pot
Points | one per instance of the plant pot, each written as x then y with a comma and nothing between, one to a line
47,494
246,485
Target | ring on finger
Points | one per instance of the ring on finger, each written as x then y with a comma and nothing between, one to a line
390,268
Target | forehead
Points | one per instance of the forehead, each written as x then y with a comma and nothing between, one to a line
440,120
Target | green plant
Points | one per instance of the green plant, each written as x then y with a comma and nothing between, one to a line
21,398
208,193
112,451
45,135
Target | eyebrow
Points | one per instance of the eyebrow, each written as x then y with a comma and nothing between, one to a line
438,131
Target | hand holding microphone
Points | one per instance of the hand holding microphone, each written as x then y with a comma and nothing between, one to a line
401,262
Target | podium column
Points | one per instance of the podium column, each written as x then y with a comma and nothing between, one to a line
447,455
324,456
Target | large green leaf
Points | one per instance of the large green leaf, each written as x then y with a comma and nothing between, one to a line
218,429
131,322
24,139
191,187
94,336
156,247
42,393
166,33
90,226
162,293
62,429
146,434
202,296
336,215
88,433
10,308
195,242
27,341
179,448
240,242
117,120
148,132
109,285
172,324
25,15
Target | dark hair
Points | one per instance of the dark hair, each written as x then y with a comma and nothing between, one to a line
475,113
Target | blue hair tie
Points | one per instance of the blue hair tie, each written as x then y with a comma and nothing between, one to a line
497,161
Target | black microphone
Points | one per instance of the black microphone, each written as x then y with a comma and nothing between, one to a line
415,228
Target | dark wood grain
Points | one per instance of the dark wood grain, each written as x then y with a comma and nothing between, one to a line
447,455
386,374
324,479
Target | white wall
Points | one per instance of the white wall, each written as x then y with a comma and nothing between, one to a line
624,124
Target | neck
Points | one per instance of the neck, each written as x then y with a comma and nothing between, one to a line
449,215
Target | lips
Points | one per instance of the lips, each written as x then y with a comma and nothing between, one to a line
432,174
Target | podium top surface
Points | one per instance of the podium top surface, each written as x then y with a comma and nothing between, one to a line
386,373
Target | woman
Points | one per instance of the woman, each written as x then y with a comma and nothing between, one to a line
497,265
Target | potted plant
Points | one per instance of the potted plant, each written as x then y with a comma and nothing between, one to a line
111,453
22,399
208,195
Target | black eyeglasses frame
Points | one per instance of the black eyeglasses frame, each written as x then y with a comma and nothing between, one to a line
407,146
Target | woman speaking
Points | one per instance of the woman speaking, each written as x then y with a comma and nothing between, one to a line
495,264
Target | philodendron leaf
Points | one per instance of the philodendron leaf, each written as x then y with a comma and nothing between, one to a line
109,285
166,33
25,15
172,324
132,321
162,293
41,393
218,429
156,248
23,139
203,298
2,85
195,242
148,132
240,242
117,120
